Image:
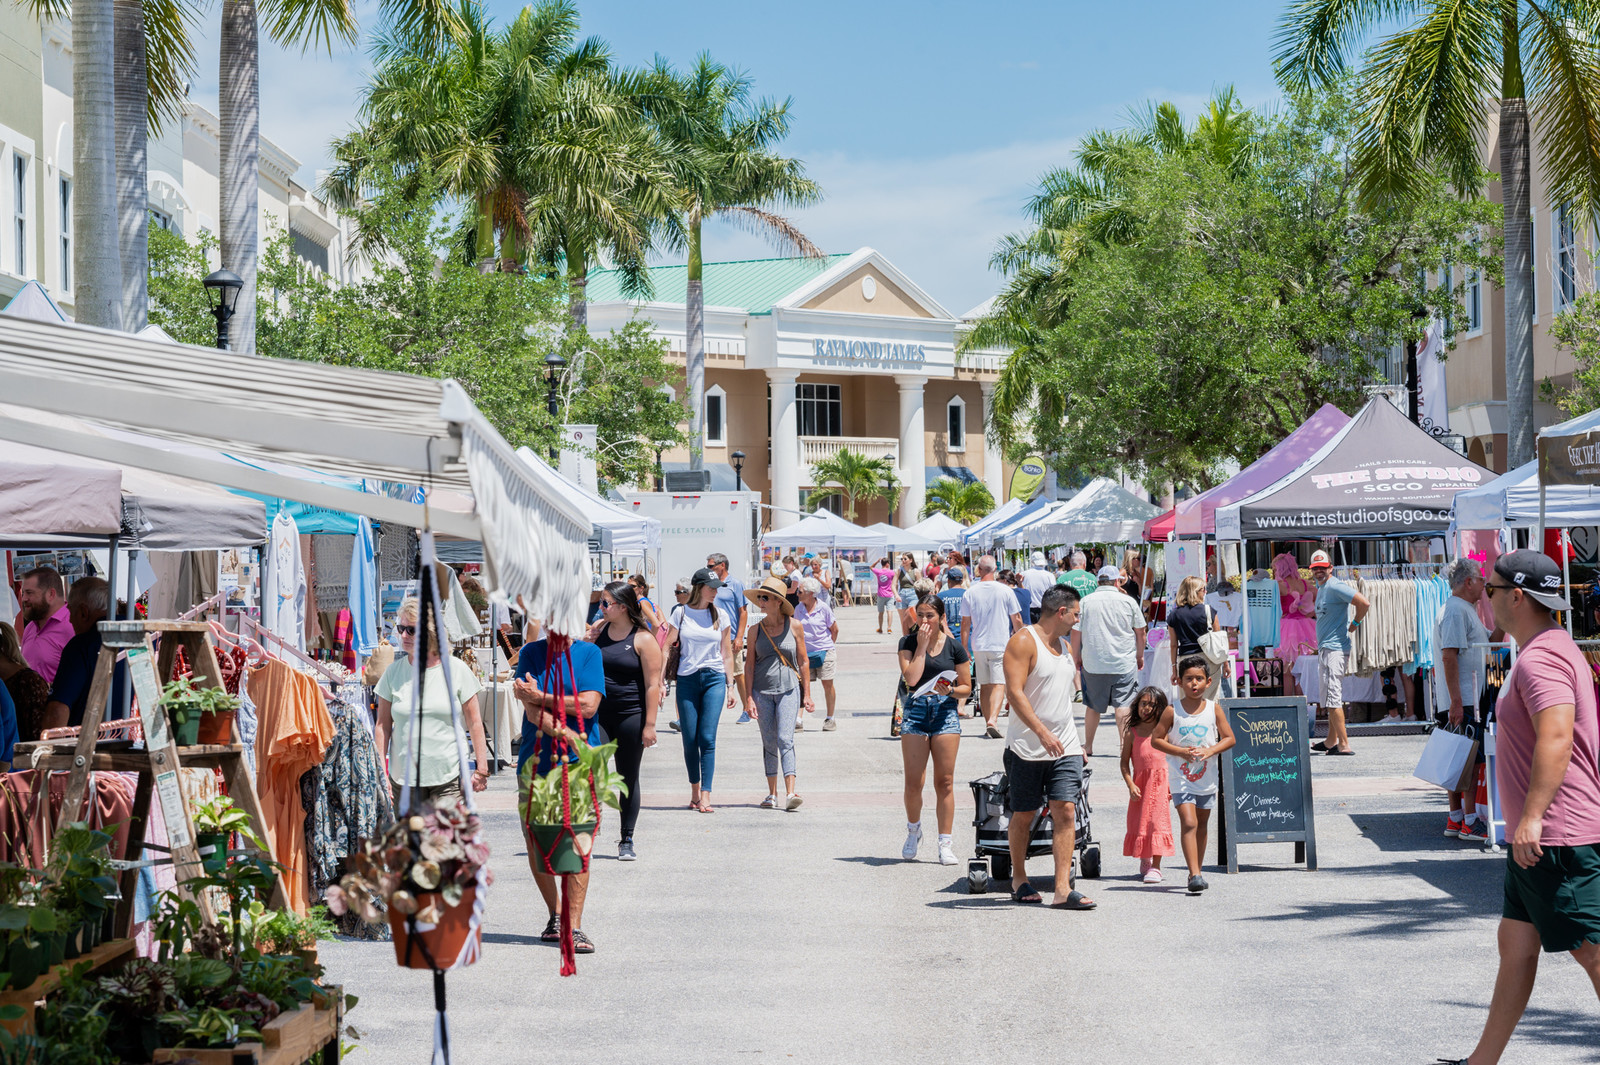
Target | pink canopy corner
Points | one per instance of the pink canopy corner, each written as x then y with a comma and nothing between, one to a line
1198,514
1157,529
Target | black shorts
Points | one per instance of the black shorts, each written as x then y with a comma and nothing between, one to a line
1559,896
1030,784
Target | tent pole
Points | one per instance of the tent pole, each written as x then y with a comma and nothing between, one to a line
111,612
1244,627
1566,574
1539,539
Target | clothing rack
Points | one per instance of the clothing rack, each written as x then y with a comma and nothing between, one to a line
262,633
200,608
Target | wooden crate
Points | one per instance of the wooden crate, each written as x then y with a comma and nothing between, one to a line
312,1031
107,955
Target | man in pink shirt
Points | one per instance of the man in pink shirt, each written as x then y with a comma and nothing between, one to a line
47,625
1548,776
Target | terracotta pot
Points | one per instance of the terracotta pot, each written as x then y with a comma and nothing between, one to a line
556,847
217,728
444,941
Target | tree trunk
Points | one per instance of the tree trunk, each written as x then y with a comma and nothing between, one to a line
578,292
1515,167
239,101
484,234
695,349
96,267
133,199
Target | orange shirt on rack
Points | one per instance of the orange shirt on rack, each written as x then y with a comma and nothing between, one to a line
293,730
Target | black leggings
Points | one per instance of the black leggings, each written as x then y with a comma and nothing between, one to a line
628,730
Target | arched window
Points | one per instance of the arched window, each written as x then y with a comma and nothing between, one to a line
956,425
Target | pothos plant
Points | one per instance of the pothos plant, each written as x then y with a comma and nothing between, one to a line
539,796
220,815
421,863
181,699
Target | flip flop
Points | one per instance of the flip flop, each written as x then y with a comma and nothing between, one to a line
1075,901
1022,892
1323,746
1335,750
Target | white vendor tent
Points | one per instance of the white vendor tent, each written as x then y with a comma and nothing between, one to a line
976,532
904,539
621,533
1020,530
1513,499
825,530
942,529
385,429
1101,512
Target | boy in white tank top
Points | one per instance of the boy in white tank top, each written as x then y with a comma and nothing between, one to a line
1192,732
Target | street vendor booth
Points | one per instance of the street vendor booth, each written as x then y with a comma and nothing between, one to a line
1377,477
974,534
942,529
1102,512
827,531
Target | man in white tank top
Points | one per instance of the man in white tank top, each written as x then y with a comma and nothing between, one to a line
1044,757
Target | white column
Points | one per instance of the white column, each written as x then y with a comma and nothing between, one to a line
913,448
993,467
785,449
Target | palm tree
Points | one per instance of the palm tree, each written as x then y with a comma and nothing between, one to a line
1424,94
857,477
96,265
964,501
727,169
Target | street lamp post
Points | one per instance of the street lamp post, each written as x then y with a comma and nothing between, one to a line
738,471
553,365
888,485
222,293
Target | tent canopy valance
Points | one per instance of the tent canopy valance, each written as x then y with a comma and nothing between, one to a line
1101,512
1569,451
1513,499
384,429
825,530
622,533
1018,530
1377,476
942,529
976,532
904,539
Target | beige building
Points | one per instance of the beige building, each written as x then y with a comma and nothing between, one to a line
806,357
182,169
1563,267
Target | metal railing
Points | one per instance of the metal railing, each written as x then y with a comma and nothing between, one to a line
815,449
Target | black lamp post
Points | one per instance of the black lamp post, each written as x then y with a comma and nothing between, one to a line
738,471
658,469
222,293
888,486
553,365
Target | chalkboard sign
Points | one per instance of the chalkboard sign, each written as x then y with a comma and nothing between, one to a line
1266,779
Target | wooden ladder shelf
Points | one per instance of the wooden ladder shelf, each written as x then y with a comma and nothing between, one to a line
159,763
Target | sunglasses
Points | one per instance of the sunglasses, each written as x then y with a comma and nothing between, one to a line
767,596
1489,589
406,630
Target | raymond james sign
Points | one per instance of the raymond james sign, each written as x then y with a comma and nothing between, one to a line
1573,459
849,352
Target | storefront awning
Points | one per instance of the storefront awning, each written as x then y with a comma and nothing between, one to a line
364,424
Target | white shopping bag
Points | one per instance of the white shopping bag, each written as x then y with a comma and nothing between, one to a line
1445,758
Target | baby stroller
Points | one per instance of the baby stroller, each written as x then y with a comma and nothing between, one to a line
992,853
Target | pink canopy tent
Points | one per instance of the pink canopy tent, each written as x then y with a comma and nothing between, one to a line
1197,515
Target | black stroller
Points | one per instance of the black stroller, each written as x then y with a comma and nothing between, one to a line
992,853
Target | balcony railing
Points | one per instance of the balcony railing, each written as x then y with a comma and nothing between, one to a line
815,449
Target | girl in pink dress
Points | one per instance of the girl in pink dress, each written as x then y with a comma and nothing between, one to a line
1144,769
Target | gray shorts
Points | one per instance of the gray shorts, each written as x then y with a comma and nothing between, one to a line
1200,802
1106,691
1330,671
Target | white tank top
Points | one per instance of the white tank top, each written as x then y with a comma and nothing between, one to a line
1198,729
1049,690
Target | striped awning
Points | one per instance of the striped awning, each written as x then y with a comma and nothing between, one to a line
378,427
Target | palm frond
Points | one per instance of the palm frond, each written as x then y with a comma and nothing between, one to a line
169,57
776,228
1317,38
308,23
1562,55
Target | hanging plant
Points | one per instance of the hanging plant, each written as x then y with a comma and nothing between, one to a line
437,854
589,779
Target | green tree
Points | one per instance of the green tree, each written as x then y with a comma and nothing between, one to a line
857,477
1578,330
1423,101
726,167
964,501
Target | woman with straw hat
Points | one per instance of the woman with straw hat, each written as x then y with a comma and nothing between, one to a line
778,678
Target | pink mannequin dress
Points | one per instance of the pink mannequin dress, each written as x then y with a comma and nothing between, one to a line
1297,632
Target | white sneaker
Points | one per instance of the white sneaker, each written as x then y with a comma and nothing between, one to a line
947,853
913,843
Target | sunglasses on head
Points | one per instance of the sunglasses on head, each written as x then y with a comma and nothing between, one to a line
406,630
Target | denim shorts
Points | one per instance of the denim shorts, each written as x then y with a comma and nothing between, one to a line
1201,802
931,715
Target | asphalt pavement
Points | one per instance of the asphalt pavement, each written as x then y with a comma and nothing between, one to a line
751,935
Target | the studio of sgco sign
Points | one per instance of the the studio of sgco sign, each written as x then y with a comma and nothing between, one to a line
857,352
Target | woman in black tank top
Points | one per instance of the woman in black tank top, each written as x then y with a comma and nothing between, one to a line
632,661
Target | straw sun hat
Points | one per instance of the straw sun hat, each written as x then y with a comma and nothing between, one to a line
777,588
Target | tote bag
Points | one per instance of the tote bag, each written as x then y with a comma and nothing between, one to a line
1448,759
1214,644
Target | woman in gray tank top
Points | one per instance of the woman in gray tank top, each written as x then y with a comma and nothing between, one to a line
778,678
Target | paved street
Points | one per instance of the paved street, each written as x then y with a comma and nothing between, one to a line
752,935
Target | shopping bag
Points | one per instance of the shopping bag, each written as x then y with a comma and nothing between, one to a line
1445,758
901,694
1468,781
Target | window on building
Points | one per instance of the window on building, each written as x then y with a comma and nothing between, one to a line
161,219
66,235
820,409
19,205
716,412
1472,302
956,425
309,250
1533,259
1563,258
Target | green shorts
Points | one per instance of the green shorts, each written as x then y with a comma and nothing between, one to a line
1559,896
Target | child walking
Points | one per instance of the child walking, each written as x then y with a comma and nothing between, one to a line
1144,770
1192,733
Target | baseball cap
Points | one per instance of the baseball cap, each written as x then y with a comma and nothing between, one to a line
1536,574
1320,560
1109,573
1038,558
705,576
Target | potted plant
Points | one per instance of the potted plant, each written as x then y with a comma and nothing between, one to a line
81,886
423,872
541,805
215,821
189,708
28,932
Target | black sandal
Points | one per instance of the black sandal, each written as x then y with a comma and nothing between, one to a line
1022,891
1076,900
1324,746
581,943
552,930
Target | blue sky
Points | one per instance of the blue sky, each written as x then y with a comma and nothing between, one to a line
927,124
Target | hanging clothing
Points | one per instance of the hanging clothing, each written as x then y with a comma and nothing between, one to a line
345,801
1431,595
283,584
1388,635
293,730
363,594
1266,611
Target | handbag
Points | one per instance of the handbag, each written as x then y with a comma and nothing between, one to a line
901,694
675,619
1214,643
1448,759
